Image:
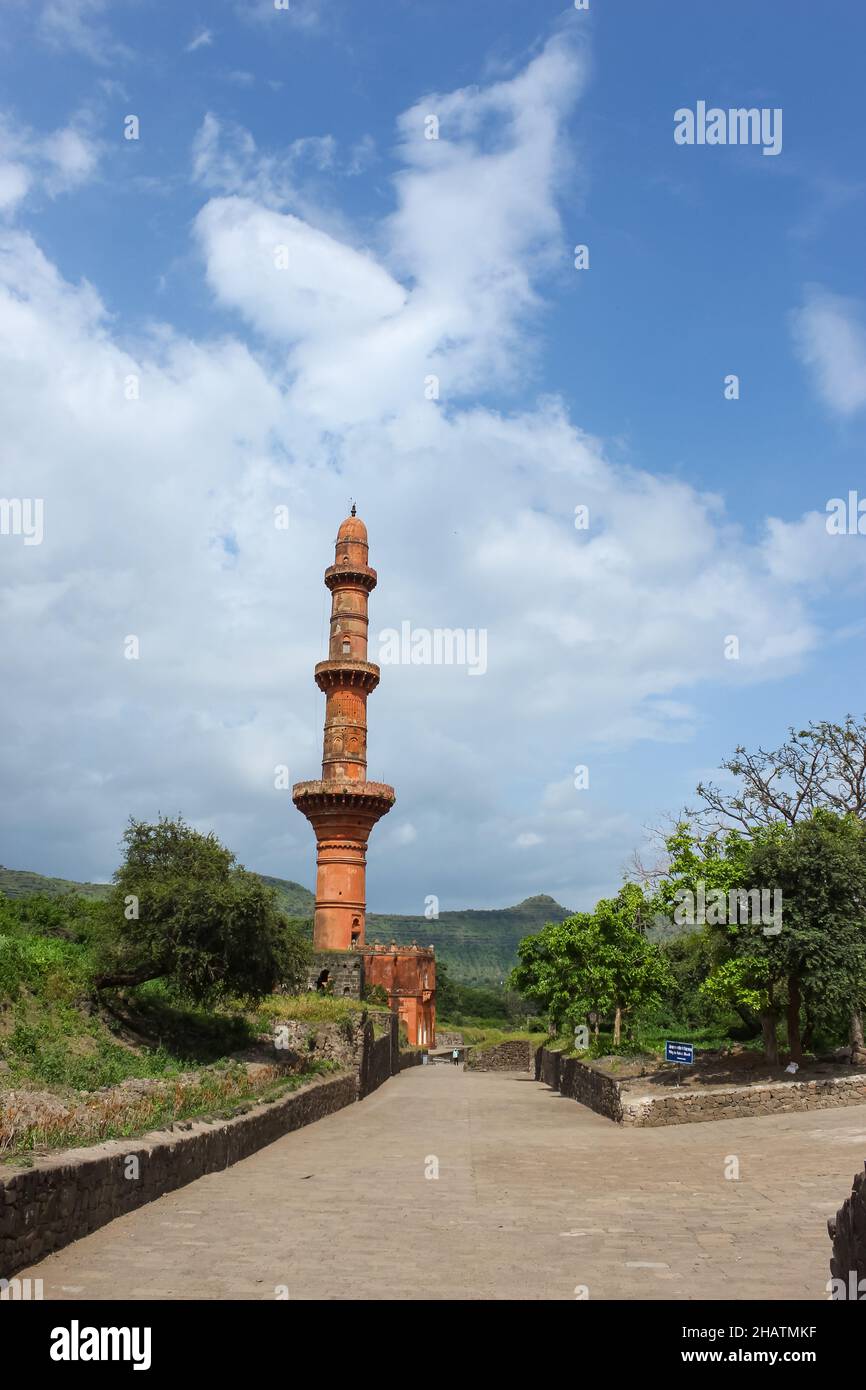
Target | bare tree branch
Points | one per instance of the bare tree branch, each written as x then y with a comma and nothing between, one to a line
822,765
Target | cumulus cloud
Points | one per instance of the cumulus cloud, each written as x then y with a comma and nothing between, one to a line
805,552
830,337
14,183
291,280
475,224
78,26
59,162
161,462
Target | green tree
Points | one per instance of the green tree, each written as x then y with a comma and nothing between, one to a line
815,955
595,963
819,867
690,959
182,908
447,992
747,980
717,865
820,767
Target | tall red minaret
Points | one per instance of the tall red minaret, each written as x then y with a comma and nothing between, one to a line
343,807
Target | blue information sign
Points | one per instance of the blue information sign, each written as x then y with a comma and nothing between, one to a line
684,1053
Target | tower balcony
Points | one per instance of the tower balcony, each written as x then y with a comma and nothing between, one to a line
343,810
351,575
333,675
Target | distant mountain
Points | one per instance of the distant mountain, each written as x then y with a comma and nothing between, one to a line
18,883
478,946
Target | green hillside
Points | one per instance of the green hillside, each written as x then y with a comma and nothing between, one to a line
294,899
18,883
479,947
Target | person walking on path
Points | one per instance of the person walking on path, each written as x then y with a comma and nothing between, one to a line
455,1056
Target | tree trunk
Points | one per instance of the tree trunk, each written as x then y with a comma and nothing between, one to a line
809,1030
749,1017
768,1030
793,1017
858,1046
617,1026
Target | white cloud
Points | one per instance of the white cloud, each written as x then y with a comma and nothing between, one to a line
72,157
76,25
14,183
476,221
290,280
58,162
305,15
405,834
830,337
159,522
226,159
805,553
203,39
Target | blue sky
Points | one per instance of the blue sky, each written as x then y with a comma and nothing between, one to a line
558,387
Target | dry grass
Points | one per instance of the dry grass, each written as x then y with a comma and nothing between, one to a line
314,1007
39,1120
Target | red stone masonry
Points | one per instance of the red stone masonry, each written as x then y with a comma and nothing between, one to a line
343,806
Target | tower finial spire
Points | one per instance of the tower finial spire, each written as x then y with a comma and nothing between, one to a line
354,510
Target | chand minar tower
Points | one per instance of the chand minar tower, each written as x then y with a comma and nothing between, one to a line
343,807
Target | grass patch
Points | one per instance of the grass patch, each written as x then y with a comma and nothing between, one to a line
71,1058
217,1094
483,1038
314,1007
66,1050
707,1039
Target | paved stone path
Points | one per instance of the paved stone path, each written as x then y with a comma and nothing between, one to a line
535,1196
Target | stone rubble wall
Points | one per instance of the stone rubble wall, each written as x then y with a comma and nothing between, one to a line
548,1067
345,972
448,1039
68,1194
591,1086
316,1042
343,1042
742,1102
411,1059
377,1063
504,1056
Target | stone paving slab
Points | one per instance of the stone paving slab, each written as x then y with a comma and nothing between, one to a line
536,1196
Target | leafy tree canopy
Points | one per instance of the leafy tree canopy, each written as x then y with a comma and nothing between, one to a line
183,908
597,962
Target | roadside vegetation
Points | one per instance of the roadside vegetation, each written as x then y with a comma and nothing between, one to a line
750,934
482,1038
146,1006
